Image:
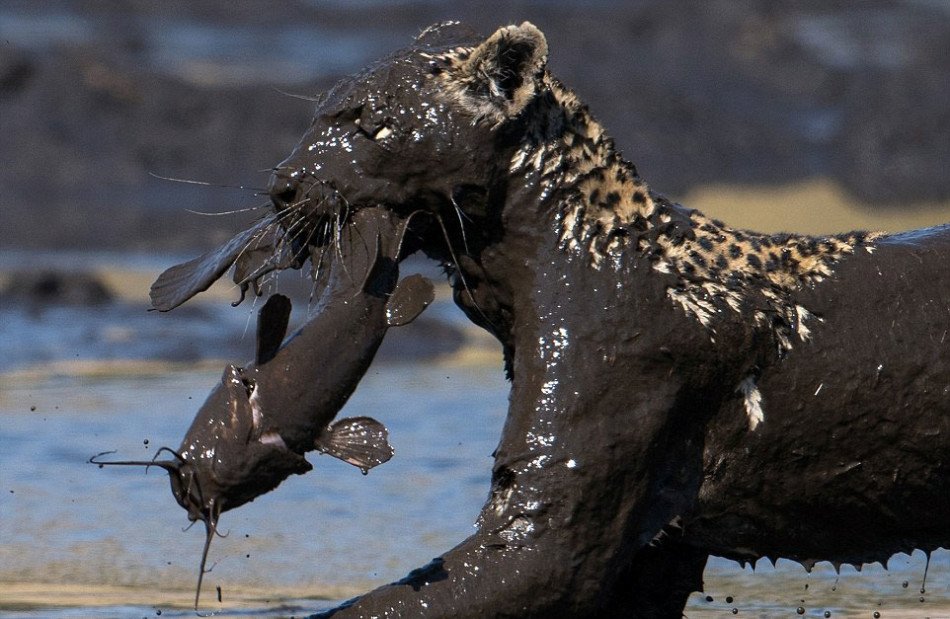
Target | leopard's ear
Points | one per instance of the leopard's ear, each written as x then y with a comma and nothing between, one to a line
502,75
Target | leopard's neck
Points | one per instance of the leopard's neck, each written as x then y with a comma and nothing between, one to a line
605,213
603,206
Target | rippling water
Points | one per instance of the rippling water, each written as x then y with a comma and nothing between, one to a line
333,530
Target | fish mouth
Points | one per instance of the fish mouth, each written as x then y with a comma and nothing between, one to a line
185,485
187,491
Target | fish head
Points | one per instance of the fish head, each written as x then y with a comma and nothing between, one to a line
227,458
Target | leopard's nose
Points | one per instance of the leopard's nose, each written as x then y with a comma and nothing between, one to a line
282,187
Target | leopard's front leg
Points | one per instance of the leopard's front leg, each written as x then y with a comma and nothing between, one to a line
600,450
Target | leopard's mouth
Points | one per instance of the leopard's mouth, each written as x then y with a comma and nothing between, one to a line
311,211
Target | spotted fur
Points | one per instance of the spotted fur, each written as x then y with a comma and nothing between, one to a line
609,209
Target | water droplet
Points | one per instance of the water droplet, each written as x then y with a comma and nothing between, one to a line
735,611
876,615
921,598
728,599
800,610
904,584
709,598
827,613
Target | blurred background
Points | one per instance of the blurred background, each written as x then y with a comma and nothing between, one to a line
843,103
810,115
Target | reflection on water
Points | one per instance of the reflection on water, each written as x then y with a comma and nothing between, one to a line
786,588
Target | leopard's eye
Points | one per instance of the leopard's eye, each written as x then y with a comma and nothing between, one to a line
375,123
375,131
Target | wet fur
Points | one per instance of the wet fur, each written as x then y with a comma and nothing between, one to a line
679,387
664,365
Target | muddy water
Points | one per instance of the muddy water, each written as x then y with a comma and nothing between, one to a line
78,541
332,532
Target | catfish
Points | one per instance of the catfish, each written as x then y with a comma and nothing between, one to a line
255,427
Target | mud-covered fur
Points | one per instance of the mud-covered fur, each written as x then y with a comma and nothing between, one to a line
605,208
680,387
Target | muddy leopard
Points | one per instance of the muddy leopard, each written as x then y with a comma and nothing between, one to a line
679,387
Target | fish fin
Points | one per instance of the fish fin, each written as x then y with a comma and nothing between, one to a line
272,323
183,281
360,441
411,296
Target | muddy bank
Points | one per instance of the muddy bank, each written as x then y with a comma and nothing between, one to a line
56,316
94,98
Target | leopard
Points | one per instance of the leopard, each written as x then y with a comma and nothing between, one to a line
679,387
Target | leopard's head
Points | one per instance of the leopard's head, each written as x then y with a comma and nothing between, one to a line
427,133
